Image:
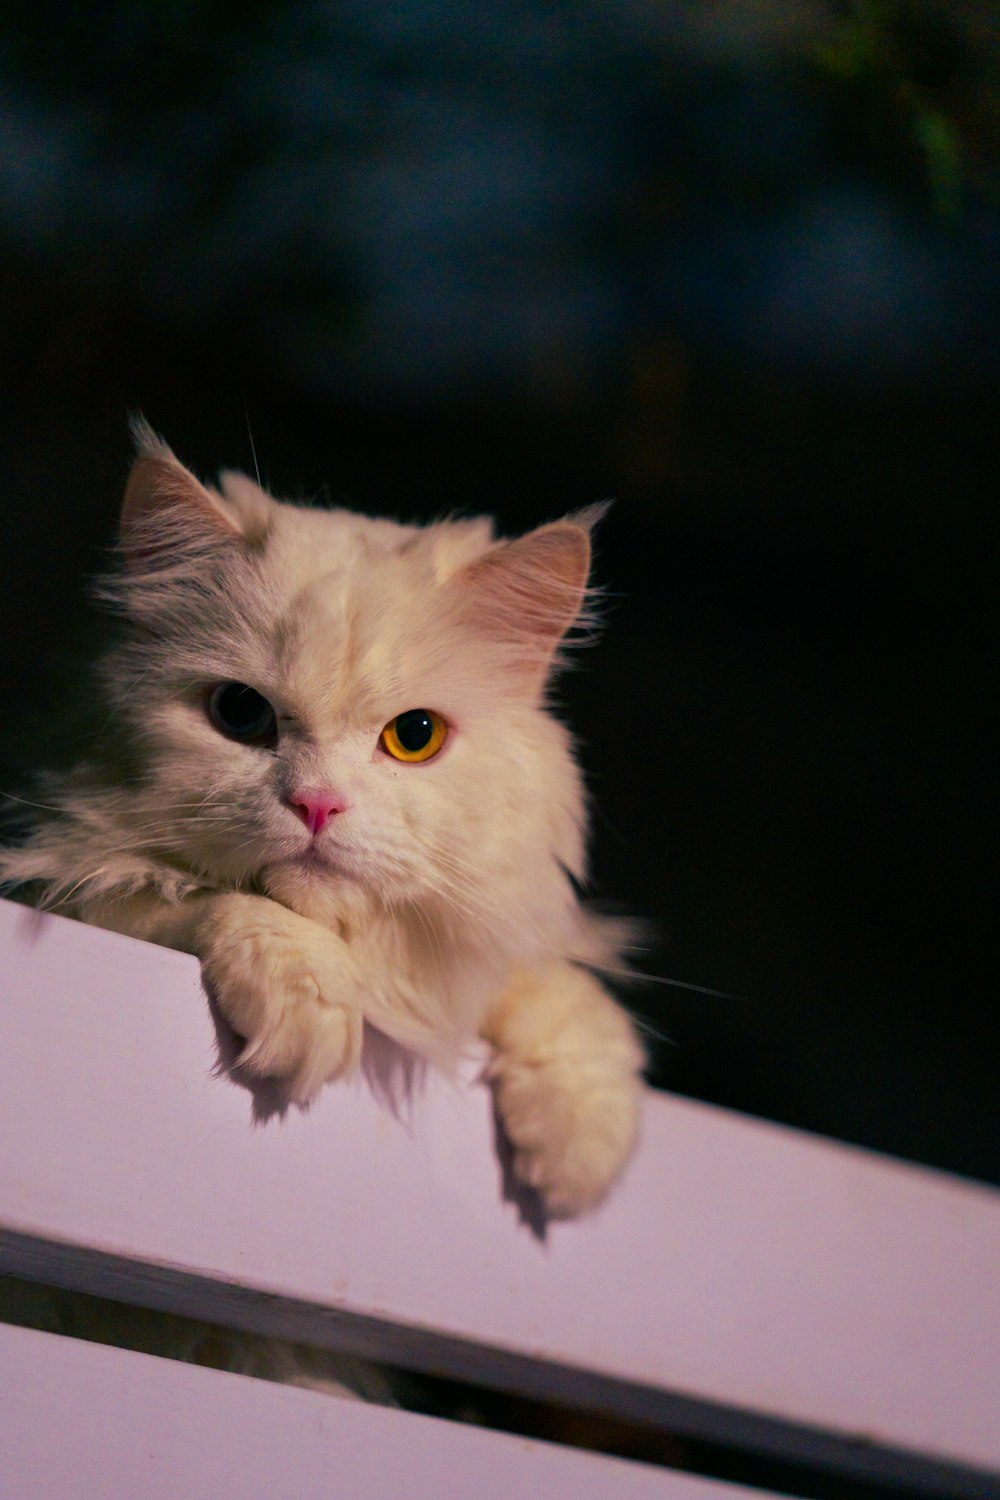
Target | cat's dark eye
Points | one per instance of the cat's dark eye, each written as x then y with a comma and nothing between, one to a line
241,713
418,734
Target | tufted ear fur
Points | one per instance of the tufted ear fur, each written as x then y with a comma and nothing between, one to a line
168,514
527,593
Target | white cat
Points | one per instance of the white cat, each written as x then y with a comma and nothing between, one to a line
329,772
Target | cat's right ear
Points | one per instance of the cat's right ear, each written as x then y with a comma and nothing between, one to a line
167,514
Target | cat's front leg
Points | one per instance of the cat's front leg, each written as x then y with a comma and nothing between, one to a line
287,986
567,1082
284,984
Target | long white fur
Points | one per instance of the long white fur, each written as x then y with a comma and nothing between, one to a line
450,892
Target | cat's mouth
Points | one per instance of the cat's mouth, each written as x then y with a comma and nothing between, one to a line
308,861
313,858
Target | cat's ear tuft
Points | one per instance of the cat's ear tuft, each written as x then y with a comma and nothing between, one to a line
168,514
529,592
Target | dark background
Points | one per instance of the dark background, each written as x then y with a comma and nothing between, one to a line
733,264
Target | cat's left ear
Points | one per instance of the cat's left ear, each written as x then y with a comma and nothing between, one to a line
168,513
527,593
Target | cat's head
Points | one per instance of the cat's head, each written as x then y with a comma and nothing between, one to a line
318,698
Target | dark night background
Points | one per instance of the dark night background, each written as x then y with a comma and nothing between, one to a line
733,264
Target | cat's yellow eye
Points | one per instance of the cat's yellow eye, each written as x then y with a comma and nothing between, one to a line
416,735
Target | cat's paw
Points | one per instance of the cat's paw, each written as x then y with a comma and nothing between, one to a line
567,1087
570,1138
278,982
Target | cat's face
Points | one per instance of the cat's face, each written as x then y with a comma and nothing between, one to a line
322,698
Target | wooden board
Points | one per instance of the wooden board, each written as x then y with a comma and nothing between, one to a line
83,1422
747,1281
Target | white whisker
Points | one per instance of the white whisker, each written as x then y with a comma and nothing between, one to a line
24,802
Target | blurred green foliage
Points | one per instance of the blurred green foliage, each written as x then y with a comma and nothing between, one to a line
900,66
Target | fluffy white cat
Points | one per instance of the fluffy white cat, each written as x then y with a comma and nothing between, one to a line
330,773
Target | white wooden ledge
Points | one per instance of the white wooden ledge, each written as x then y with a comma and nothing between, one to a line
747,1281
83,1422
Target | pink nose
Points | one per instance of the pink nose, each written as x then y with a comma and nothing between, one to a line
315,808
